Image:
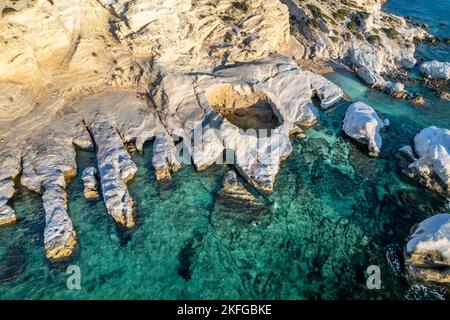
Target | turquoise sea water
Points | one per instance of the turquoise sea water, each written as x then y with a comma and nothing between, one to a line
333,213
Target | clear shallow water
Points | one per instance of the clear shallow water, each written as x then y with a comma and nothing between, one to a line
333,212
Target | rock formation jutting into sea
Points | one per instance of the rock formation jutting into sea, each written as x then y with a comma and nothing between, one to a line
205,77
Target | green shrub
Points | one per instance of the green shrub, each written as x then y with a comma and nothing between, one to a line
334,39
391,33
341,14
352,26
241,5
8,10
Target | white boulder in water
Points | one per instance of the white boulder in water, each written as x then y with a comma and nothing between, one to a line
363,124
436,69
428,250
431,167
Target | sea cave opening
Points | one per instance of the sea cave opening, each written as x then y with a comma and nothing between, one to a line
246,110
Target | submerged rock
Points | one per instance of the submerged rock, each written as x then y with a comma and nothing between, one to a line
444,95
89,177
59,235
428,251
436,69
430,165
418,100
237,199
363,124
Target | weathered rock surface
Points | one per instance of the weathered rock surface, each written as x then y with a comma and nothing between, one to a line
428,251
363,124
89,177
164,159
357,33
431,163
9,169
193,110
116,168
131,71
48,162
207,147
188,33
436,69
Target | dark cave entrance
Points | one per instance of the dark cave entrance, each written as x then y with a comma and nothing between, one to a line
243,109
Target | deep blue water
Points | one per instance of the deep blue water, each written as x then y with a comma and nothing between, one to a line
333,213
434,13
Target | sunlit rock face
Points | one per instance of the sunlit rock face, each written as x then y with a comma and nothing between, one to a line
115,119
89,177
428,251
429,159
197,107
48,161
363,124
52,51
198,34
436,69
375,44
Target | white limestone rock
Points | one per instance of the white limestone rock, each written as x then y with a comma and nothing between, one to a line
9,169
368,57
394,88
116,119
116,168
48,162
89,177
190,110
432,166
408,152
164,158
436,69
407,59
370,78
428,250
189,34
207,147
363,124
